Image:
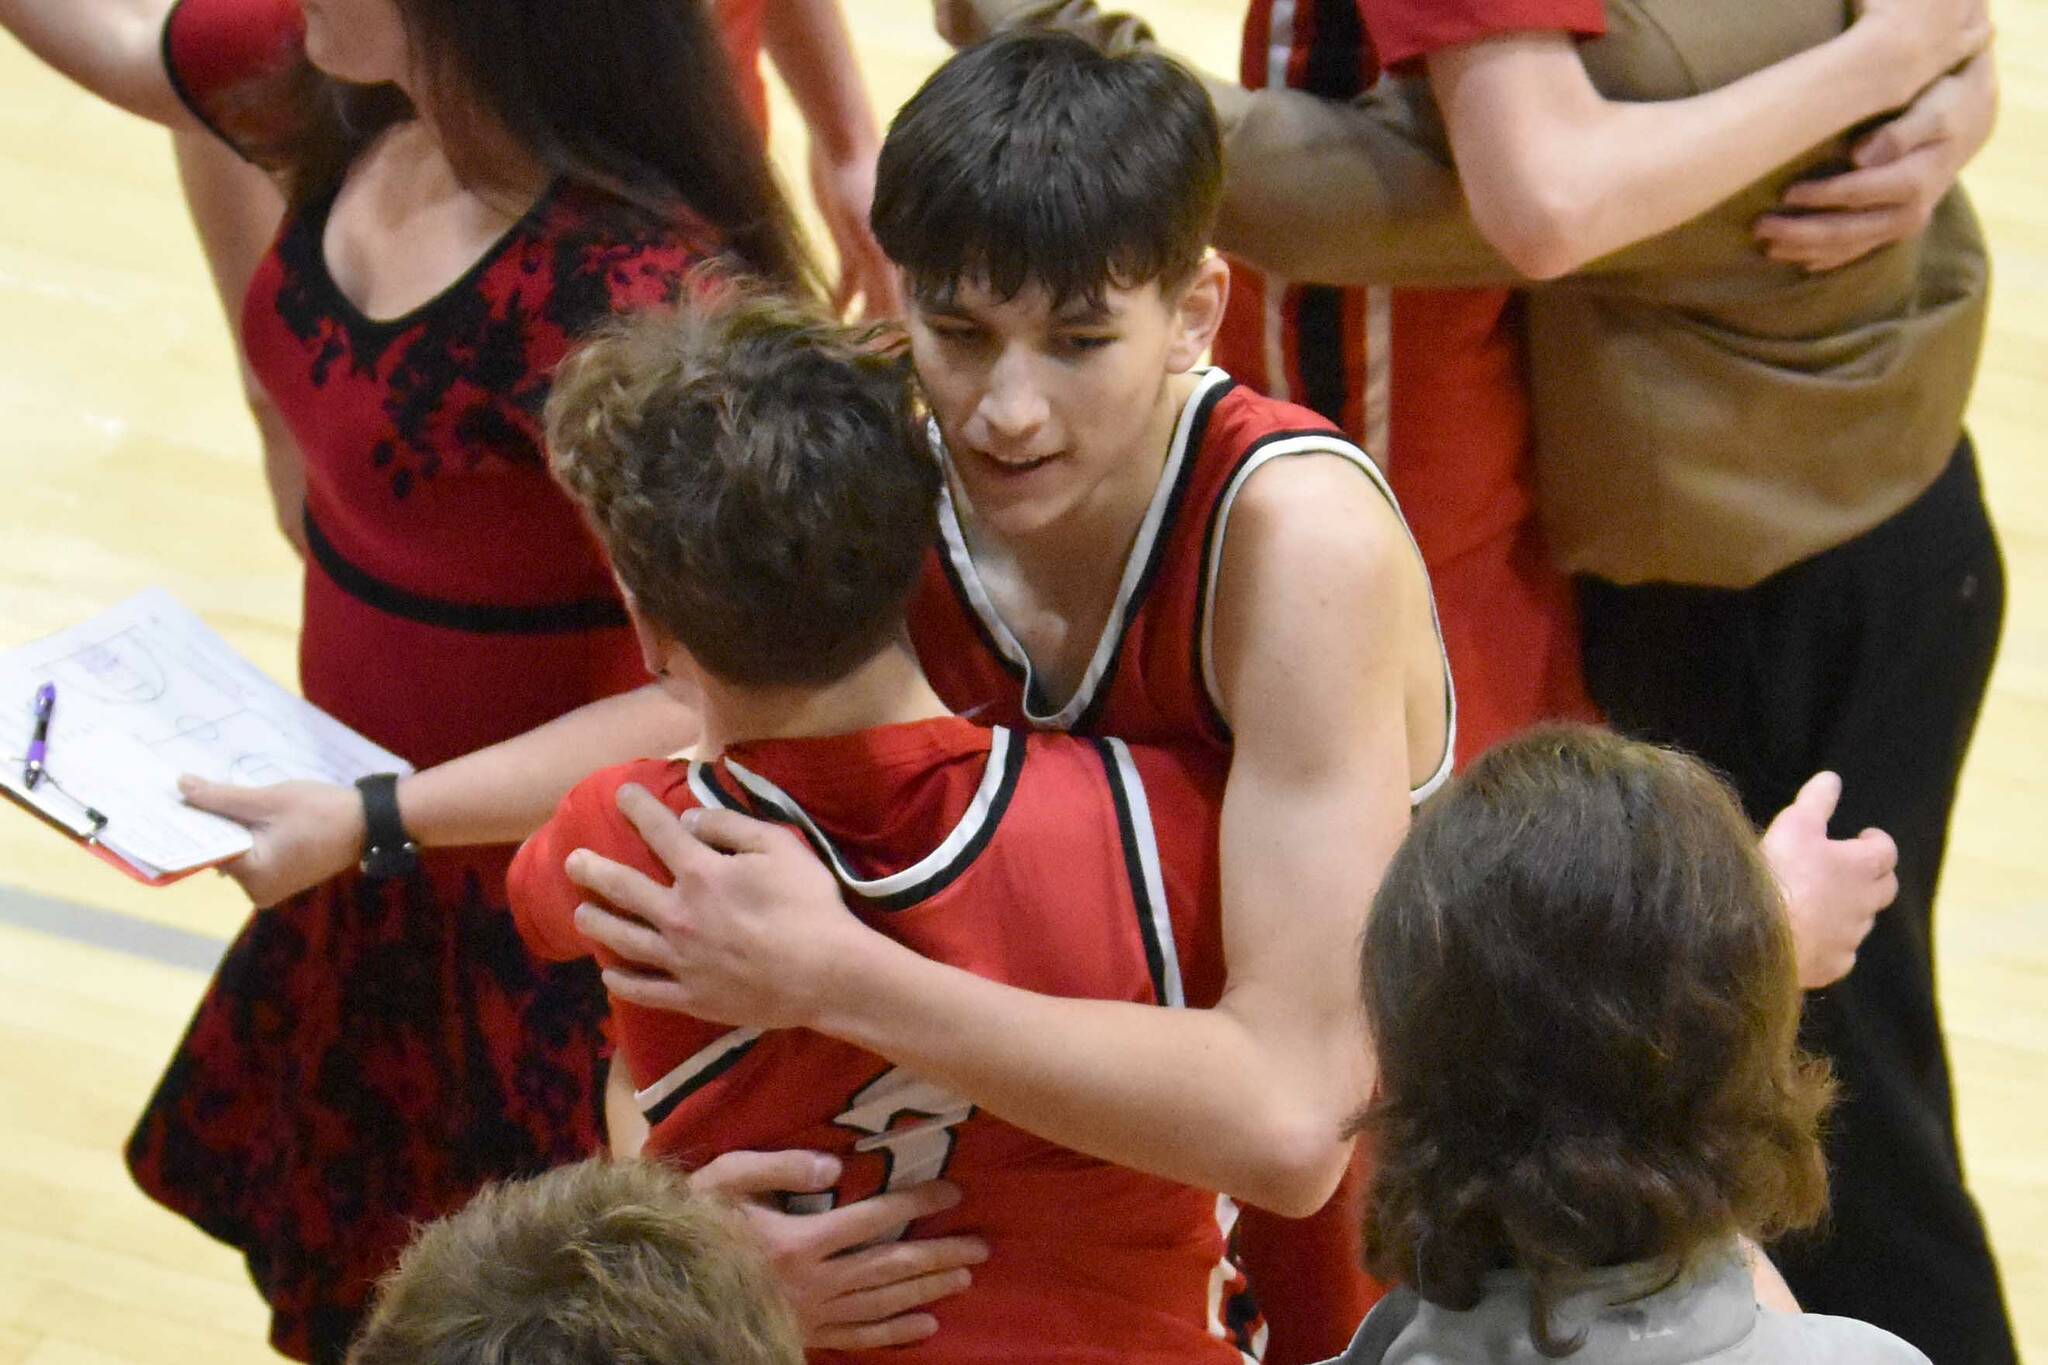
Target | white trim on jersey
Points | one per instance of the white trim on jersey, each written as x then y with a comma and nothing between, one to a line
940,860
1112,638
1330,444
695,1065
1171,990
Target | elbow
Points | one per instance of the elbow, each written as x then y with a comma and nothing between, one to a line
1542,230
1301,1163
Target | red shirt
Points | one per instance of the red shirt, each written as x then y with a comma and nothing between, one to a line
1059,865
1406,31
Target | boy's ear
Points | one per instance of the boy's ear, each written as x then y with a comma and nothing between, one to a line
654,646
1198,312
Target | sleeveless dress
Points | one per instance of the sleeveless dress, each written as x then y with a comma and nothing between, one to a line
368,1055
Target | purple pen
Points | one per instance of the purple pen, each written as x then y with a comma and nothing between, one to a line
38,747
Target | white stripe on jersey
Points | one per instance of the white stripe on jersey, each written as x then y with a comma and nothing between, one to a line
1330,444
1172,993
695,1065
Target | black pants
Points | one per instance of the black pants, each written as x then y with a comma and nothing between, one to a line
1870,659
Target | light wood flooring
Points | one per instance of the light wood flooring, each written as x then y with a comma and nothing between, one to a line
126,459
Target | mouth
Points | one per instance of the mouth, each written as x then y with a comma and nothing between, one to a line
1012,468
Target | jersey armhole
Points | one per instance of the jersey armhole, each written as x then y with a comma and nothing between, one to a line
1253,460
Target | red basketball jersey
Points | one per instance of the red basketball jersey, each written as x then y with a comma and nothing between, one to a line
1151,679
1065,866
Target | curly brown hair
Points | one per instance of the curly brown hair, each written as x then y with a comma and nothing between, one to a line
599,1263
759,475
1580,983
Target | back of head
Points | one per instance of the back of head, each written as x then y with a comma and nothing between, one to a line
760,477
599,1263
1033,159
1581,988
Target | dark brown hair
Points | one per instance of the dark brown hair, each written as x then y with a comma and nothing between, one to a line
1035,159
634,97
1580,984
598,1263
759,475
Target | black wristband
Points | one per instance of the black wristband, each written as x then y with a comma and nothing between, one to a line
388,851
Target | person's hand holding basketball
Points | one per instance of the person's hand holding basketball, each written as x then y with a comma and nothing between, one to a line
1834,888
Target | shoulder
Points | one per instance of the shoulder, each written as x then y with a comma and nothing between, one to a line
592,805
1823,1340
240,67
610,254
1317,506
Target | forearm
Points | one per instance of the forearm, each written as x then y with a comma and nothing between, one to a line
107,46
1190,1095
809,44
1557,175
502,794
1348,193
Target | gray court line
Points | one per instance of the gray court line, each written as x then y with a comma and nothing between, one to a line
111,930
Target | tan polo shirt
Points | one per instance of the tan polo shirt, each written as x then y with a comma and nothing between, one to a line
1697,424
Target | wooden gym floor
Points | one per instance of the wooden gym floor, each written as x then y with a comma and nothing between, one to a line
128,460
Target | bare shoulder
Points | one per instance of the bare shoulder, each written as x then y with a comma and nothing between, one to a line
1322,513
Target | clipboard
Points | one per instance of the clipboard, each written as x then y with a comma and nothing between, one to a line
78,818
87,836
146,691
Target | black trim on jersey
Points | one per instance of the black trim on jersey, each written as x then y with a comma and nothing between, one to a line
967,607
1340,57
1207,702
1006,787
697,1082
560,618
1319,349
1198,430
1134,870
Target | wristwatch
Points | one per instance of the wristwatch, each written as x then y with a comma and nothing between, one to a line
388,851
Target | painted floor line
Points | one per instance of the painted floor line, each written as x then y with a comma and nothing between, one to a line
110,929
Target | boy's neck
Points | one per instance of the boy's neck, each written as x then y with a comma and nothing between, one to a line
889,689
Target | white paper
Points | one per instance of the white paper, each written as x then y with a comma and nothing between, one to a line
146,691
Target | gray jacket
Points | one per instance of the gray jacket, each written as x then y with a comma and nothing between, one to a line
1629,1316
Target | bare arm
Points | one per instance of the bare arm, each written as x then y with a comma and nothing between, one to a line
111,47
306,832
808,41
1248,1097
236,209
1557,175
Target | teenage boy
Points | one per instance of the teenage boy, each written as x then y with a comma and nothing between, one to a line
759,480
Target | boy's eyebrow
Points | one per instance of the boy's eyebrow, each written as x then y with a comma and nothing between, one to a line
1086,313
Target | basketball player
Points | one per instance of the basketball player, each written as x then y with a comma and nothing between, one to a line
692,442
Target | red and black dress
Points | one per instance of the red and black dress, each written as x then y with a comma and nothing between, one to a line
369,1054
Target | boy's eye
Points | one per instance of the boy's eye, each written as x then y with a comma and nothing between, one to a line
1086,341
956,336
